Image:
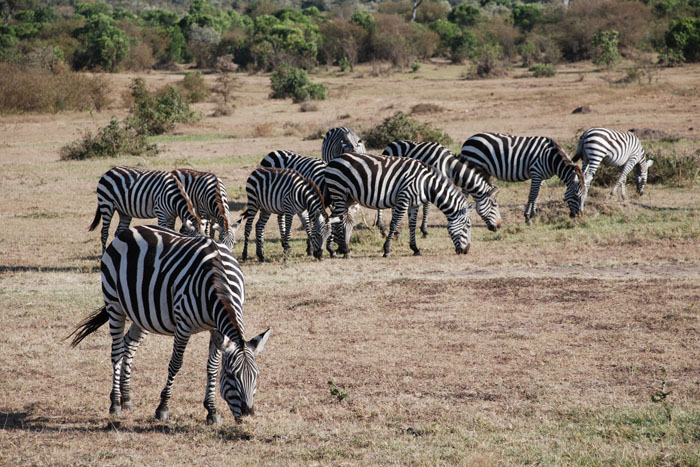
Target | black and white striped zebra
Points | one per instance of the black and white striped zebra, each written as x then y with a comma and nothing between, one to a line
519,158
470,181
210,199
309,167
171,284
143,194
615,148
338,141
403,184
284,192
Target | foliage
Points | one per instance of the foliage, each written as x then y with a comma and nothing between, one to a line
464,15
336,391
456,42
111,141
289,81
487,63
400,126
605,48
105,44
683,38
526,16
542,70
155,114
193,87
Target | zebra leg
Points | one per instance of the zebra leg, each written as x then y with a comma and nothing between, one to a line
131,342
412,221
248,228
622,181
337,229
304,218
260,235
124,222
380,223
213,417
348,225
182,336
288,234
531,206
424,222
397,214
281,221
116,330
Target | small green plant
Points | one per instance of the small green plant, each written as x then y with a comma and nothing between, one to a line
111,141
155,114
660,395
344,64
543,70
605,45
415,66
289,81
401,126
336,391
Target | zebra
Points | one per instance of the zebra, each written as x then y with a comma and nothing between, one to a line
210,200
399,183
284,192
471,181
616,148
518,158
176,285
144,194
338,141
309,167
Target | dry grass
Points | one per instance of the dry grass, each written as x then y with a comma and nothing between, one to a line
544,345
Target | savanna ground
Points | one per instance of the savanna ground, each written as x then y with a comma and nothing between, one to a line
564,342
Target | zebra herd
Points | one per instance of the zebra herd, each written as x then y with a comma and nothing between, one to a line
179,284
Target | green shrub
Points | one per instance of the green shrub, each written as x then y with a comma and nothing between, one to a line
289,81
400,126
605,51
671,167
683,37
543,70
111,141
155,114
194,88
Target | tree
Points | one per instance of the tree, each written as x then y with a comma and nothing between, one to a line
683,37
105,44
525,17
464,15
605,48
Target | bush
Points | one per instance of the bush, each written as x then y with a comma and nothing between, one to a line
194,88
400,126
543,70
289,81
157,114
111,141
605,50
683,38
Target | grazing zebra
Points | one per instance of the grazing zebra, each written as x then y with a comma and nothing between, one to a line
176,285
470,181
142,194
338,141
284,192
518,158
210,200
616,148
399,183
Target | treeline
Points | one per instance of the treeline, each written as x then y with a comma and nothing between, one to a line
262,34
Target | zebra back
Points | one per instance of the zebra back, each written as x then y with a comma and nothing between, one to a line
270,187
338,141
309,167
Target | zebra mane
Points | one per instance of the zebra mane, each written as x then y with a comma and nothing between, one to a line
190,207
567,160
220,204
221,288
192,172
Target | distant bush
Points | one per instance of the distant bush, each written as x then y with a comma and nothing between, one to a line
605,51
400,126
487,64
194,88
155,114
543,70
111,141
683,38
671,167
32,89
289,81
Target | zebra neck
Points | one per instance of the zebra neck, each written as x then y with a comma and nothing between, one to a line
442,193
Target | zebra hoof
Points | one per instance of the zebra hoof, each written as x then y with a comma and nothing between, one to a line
162,415
425,234
417,253
214,419
347,255
387,255
115,410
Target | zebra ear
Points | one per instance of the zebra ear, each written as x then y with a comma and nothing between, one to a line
257,343
222,342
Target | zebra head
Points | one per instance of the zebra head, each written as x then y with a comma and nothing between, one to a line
239,377
487,207
576,192
640,176
320,232
352,143
459,226
228,238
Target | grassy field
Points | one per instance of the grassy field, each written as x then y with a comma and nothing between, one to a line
563,342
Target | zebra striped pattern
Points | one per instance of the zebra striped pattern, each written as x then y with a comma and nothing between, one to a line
142,194
210,199
615,148
470,181
176,285
399,183
519,158
284,192
338,141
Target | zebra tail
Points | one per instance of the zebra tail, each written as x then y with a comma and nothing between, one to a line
96,220
89,325
579,153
